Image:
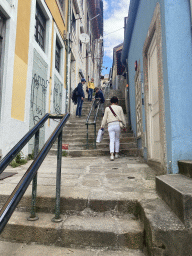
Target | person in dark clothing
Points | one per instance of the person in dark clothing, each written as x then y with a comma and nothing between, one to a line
80,97
99,97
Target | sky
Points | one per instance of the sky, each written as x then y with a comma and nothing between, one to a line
114,13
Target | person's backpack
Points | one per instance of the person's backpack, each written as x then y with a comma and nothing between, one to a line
74,95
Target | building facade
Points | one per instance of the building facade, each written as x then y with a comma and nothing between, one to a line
118,71
42,59
85,57
157,53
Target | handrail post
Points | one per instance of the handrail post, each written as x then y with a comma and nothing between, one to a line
95,134
57,217
33,216
87,136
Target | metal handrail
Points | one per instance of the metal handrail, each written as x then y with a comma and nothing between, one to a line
31,173
89,114
95,120
17,148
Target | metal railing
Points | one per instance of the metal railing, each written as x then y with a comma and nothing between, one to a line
95,114
31,173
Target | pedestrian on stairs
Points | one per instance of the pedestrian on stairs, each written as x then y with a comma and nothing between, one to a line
80,97
113,116
99,97
91,87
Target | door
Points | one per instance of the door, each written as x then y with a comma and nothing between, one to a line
153,104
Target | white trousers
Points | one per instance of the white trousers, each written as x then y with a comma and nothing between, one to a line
114,135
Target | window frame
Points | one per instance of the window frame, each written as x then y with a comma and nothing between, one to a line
58,56
39,23
62,8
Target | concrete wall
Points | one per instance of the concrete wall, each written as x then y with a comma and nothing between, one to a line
177,73
140,33
31,84
179,64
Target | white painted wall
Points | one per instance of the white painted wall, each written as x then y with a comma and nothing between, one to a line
11,130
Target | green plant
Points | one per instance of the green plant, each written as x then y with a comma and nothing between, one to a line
64,153
18,160
31,156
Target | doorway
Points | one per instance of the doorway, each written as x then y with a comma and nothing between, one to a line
153,103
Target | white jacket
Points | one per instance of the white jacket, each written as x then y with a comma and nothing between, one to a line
109,117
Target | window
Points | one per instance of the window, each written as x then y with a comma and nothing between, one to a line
74,22
61,3
80,46
57,56
40,27
87,24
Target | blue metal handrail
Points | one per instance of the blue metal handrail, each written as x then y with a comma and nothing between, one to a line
31,173
17,148
95,119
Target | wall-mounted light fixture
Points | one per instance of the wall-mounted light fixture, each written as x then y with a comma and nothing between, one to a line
136,65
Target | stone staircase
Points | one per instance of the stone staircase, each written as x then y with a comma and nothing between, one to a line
176,191
107,208
75,134
96,220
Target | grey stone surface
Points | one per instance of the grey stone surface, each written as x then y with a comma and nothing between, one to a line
116,196
22,249
176,191
165,234
185,168
80,231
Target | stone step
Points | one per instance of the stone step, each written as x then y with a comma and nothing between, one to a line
91,130
176,191
80,124
165,234
83,135
104,140
185,168
18,249
76,231
77,204
96,152
81,146
71,127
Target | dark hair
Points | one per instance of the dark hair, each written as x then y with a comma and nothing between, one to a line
83,80
114,99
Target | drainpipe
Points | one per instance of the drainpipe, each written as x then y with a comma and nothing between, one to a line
128,96
68,58
190,1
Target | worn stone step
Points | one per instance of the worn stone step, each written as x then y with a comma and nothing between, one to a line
81,146
77,231
104,140
185,168
18,249
96,152
165,234
69,128
80,124
83,135
176,191
91,132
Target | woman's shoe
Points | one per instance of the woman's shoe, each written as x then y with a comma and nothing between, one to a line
112,157
116,155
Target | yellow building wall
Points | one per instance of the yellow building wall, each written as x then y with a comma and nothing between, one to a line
21,60
21,52
54,9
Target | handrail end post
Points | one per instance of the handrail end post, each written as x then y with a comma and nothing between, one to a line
55,219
